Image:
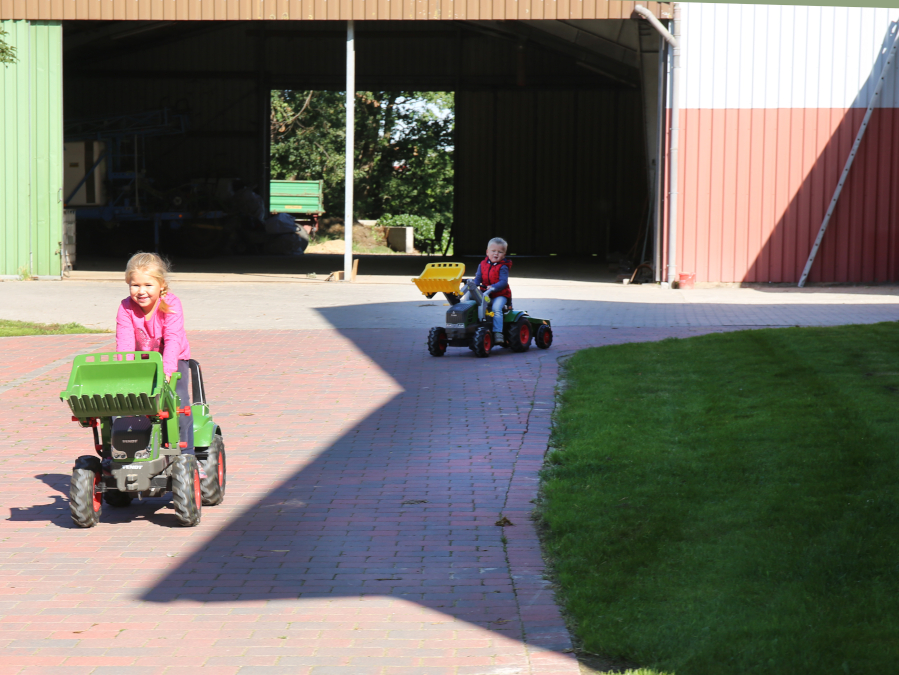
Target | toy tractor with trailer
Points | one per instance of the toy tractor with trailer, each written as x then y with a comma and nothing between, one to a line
134,412
469,323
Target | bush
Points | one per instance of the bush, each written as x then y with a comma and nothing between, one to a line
424,230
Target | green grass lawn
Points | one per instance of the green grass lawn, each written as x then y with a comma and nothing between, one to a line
730,503
16,328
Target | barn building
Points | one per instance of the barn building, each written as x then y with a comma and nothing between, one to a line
564,120
772,103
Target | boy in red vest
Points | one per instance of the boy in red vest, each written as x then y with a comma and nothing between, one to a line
493,280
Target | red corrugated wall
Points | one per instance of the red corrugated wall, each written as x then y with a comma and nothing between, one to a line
771,100
755,184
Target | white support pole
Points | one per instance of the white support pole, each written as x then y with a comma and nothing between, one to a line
674,41
858,139
673,148
350,143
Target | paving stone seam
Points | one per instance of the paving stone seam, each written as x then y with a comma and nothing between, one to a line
509,563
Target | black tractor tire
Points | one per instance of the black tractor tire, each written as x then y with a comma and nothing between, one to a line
482,342
437,341
85,502
186,495
520,335
212,488
544,337
117,499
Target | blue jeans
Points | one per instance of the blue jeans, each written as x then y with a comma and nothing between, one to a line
496,305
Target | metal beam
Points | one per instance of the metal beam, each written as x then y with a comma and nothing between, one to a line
84,179
674,41
103,48
263,105
350,146
591,41
571,42
447,82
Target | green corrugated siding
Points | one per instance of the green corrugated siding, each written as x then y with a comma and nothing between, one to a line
31,149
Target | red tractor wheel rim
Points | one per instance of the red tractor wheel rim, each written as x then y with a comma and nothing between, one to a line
488,341
524,334
97,496
221,470
197,487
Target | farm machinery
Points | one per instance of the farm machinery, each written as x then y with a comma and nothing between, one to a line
124,398
469,322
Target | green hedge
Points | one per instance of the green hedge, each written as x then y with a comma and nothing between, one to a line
424,230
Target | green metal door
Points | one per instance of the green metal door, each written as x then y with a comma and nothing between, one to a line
31,150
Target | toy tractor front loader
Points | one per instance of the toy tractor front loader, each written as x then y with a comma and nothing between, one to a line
469,323
134,413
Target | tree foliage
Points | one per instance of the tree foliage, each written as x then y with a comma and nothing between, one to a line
403,149
7,53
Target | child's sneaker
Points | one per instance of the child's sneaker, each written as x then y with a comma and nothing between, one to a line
499,339
201,470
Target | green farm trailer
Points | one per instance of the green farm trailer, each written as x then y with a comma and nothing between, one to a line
301,197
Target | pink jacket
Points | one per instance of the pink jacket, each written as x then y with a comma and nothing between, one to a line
164,332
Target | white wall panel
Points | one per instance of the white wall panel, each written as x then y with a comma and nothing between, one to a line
785,57
854,80
746,79
774,61
772,56
757,43
720,55
812,47
818,85
890,88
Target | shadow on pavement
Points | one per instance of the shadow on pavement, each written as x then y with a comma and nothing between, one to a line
56,513
620,313
405,503
581,268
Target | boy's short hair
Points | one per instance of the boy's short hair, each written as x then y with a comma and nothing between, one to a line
499,241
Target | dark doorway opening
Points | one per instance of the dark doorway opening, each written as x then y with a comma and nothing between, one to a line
548,147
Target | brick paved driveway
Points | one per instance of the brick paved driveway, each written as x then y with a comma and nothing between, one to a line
358,534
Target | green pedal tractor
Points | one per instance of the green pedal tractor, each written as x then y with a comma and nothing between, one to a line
469,323
133,412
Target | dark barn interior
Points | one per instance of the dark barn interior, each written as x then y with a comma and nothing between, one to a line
556,122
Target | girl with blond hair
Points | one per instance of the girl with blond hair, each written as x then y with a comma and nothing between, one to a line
151,319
